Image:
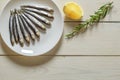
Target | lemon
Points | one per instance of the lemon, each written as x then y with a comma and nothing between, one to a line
73,10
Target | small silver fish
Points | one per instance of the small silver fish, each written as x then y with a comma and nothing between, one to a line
27,27
11,28
24,32
45,8
31,25
39,12
40,18
15,29
20,36
36,22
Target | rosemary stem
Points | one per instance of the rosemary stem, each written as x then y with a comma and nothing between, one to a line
100,14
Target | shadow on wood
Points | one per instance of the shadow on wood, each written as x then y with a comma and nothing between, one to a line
29,61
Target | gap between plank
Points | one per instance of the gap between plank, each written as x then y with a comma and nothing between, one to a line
68,55
95,22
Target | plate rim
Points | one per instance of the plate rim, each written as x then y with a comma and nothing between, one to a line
36,54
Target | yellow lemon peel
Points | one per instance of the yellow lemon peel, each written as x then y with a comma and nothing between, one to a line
73,10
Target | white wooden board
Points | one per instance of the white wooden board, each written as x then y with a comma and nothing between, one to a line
60,68
94,55
101,39
89,7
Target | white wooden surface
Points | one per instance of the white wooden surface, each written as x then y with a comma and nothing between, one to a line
98,40
60,68
94,55
102,39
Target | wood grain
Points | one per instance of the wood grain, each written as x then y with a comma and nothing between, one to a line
60,68
90,6
100,39
93,55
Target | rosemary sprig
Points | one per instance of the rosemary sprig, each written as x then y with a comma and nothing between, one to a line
100,14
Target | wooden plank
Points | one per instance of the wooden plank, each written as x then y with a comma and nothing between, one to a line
60,68
98,41
88,6
101,39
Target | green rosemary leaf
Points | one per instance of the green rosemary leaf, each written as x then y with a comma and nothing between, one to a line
100,14
104,13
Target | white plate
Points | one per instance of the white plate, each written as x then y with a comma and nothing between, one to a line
47,40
